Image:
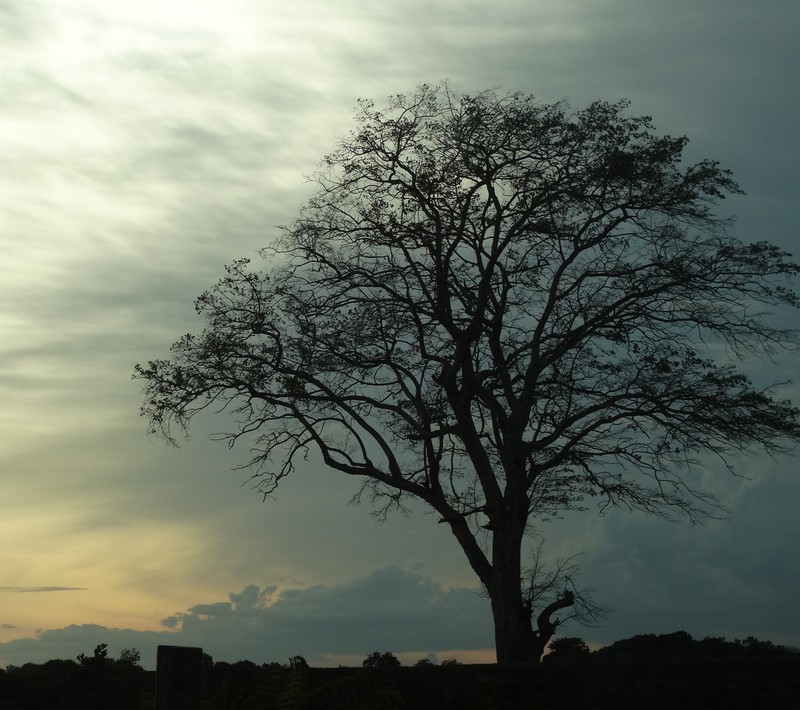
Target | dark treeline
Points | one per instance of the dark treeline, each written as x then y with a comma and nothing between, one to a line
675,646
654,671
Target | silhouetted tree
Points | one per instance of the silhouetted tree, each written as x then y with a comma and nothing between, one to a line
504,309
681,645
568,648
99,658
376,659
551,590
753,647
130,656
298,663
450,662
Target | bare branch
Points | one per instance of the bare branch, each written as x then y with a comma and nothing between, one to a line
507,310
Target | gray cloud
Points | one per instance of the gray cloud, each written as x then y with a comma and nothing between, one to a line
390,608
735,577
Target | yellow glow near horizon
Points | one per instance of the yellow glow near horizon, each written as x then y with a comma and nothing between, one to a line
121,572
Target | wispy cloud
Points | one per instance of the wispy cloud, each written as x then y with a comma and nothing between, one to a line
42,589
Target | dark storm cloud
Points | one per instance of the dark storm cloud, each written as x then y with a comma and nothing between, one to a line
390,608
734,577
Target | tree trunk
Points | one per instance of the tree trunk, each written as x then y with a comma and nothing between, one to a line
516,641
513,634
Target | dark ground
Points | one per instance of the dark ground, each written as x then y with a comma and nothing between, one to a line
733,684
762,684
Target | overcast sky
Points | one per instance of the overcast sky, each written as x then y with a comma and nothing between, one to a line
144,145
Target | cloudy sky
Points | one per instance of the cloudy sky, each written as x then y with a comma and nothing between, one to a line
145,145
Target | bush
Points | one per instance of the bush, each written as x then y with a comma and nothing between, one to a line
376,659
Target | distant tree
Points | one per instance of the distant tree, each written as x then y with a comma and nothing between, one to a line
207,663
376,659
504,309
424,662
298,663
130,656
98,659
680,644
568,648
753,647
450,662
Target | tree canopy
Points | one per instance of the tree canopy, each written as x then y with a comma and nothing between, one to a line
505,309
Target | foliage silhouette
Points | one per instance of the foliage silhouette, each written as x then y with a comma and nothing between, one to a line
644,671
506,310
96,681
98,659
130,656
681,645
568,648
376,659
